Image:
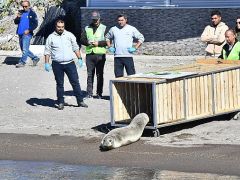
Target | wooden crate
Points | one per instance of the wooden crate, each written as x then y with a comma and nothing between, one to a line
213,89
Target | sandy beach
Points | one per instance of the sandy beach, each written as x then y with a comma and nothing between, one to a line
28,114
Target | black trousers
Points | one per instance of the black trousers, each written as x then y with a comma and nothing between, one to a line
95,62
120,63
71,71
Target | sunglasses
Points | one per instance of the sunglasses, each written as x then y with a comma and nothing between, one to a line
24,6
237,22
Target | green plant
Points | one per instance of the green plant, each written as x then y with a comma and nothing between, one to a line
2,30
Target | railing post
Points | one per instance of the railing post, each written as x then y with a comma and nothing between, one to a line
167,2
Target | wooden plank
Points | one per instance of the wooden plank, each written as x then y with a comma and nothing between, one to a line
234,87
181,99
238,87
165,100
202,95
178,104
217,61
222,97
189,98
173,99
194,98
198,93
226,89
115,102
128,100
160,103
211,90
169,102
230,89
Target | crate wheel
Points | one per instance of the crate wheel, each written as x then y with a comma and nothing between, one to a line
156,133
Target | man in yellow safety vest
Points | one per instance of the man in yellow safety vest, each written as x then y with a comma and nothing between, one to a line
231,50
93,37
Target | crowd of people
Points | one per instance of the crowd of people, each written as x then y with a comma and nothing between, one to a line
61,44
222,42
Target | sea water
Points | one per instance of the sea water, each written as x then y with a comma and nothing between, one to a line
29,170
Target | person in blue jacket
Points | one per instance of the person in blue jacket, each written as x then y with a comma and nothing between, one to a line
27,21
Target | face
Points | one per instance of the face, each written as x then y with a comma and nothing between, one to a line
230,37
60,27
96,22
25,5
122,21
216,20
238,23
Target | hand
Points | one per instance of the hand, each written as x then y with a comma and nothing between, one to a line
48,67
112,49
80,62
26,32
131,49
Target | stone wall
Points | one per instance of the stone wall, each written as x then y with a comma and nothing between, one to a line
172,31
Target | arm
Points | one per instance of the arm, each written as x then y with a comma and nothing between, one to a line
83,39
33,21
220,37
18,17
109,37
139,36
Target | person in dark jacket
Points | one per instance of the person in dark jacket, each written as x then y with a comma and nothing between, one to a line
27,21
237,28
93,38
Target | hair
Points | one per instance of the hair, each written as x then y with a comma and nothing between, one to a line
59,20
231,30
122,15
216,12
25,1
236,27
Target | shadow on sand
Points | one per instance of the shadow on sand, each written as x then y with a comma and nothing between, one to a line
10,60
105,128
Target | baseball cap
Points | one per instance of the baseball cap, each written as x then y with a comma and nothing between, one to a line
95,15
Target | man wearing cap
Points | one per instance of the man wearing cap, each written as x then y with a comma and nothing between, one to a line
93,37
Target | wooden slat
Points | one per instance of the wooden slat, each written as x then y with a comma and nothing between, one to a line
238,87
230,89
182,104
226,89
194,98
202,95
169,102
234,87
178,104
160,104
217,61
189,98
198,94
173,99
211,89
165,100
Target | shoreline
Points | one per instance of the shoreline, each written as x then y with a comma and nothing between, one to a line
214,159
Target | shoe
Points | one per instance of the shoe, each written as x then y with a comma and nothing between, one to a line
89,96
35,61
99,96
19,65
60,106
82,104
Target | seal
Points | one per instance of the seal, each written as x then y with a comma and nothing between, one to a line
125,135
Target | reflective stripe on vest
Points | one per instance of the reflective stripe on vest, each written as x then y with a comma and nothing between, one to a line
234,54
97,36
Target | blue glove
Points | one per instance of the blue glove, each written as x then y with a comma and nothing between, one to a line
112,49
48,67
131,49
80,62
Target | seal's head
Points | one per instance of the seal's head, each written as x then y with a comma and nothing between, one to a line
107,143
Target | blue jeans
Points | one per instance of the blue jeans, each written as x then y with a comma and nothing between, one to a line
24,41
72,74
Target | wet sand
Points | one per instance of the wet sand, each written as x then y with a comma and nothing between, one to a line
213,159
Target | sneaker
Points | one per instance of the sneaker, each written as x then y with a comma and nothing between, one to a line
35,61
60,106
19,65
82,104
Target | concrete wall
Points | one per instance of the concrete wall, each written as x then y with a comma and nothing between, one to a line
173,31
